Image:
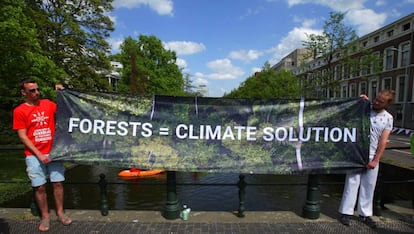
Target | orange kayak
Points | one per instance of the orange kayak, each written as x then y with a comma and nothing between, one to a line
139,173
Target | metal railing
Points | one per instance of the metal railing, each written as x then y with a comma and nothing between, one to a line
311,208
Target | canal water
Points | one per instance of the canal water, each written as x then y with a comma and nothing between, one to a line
217,192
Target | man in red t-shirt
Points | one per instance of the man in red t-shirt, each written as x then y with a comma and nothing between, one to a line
34,121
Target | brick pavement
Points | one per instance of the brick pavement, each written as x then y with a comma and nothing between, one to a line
394,220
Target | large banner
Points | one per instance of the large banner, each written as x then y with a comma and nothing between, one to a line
266,136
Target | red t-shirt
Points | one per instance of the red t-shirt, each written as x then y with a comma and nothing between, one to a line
39,122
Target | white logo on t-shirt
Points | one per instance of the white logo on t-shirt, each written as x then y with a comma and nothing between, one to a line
39,118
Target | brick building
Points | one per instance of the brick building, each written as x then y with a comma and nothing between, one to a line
393,45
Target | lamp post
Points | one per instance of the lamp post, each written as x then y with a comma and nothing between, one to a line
406,83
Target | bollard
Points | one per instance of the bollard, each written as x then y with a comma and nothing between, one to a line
378,196
172,210
311,209
241,185
104,201
34,208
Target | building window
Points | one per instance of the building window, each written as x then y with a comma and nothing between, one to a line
389,57
400,88
365,66
390,33
376,39
363,87
354,70
331,93
386,84
337,72
344,93
352,90
405,52
365,43
374,90
406,26
345,71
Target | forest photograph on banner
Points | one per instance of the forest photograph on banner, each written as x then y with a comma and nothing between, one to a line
260,136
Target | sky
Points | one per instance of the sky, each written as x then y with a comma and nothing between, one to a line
220,43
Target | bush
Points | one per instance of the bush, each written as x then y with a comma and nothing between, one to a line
11,191
7,135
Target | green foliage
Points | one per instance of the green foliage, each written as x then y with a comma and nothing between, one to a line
73,35
7,135
149,69
189,87
268,84
22,55
52,42
336,37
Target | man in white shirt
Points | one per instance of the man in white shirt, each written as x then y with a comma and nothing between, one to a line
362,185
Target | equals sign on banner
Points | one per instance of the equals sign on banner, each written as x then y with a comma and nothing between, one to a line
163,131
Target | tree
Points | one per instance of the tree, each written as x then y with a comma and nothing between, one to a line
268,84
149,69
72,34
339,50
189,88
22,55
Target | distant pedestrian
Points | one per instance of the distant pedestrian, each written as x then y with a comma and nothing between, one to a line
34,121
361,186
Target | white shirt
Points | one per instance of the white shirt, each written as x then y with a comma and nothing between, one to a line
379,122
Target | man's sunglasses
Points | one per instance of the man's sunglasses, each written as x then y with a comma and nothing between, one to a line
33,90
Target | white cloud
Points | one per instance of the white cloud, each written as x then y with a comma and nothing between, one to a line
200,81
246,56
162,7
251,12
181,63
185,47
115,44
292,41
113,19
365,20
199,75
256,69
223,69
380,3
337,5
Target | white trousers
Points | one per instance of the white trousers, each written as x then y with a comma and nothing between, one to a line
359,186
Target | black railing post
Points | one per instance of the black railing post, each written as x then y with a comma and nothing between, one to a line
172,210
34,208
413,206
378,195
104,202
242,186
311,209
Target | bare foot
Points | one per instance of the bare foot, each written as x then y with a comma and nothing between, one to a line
65,220
44,225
